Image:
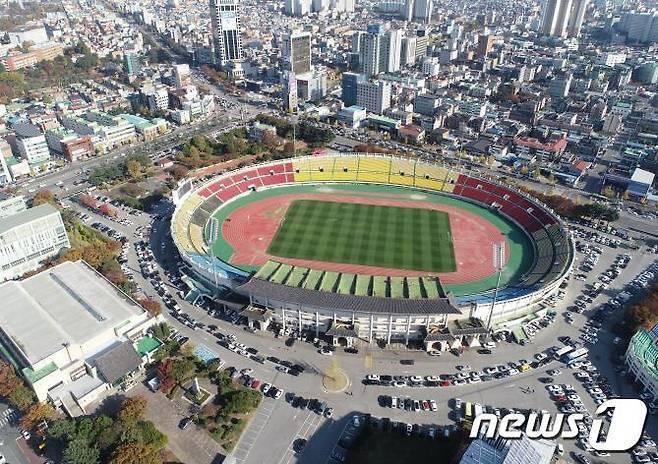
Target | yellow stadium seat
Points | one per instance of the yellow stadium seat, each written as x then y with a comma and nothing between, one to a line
302,170
346,168
196,235
451,180
374,170
430,184
402,172
322,168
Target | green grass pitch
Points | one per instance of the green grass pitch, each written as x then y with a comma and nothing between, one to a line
384,236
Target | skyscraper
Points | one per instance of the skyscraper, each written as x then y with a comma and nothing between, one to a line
423,10
296,52
349,84
577,16
563,18
225,23
379,50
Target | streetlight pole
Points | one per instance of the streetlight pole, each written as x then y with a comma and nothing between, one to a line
499,265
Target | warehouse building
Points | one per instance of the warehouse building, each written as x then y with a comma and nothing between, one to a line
73,335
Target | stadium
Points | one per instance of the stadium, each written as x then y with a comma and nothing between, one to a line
372,248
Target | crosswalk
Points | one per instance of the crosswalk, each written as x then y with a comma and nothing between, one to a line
8,415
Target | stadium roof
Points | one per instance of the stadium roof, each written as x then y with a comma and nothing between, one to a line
342,302
68,304
26,216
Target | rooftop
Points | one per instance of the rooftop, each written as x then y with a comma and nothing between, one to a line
26,216
68,304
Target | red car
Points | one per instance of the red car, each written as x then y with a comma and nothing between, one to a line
426,405
445,383
255,384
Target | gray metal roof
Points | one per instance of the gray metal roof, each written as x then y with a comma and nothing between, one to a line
69,304
24,129
340,302
118,361
26,216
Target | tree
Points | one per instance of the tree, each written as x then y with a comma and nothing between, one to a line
36,413
43,196
21,397
135,453
88,201
79,451
132,410
178,171
134,169
151,436
241,401
151,306
9,381
270,140
182,369
107,210
63,429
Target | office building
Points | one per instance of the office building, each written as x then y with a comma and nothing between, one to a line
374,96
74,336
646,73
503,451
296,51
349,84
227,37
10,205
28,238
31,144
312,86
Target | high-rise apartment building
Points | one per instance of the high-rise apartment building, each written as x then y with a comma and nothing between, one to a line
422,10
563,18
380,50
296,51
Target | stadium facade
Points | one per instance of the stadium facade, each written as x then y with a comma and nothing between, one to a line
409,309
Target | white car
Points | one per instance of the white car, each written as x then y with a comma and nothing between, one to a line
326,352
266,387
540,356
433,405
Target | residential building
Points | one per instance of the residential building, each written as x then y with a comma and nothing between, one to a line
563,18
132,63
74,336
639,27
5,155
182,75
422,10
611,59
380,50
485,44
646,73
548,150
28,238
559,86
374,96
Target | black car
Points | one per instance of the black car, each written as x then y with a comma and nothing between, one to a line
304,403
184,423
484,351
298,445
407,362
296,401
290,341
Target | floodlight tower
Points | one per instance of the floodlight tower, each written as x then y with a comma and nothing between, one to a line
499,266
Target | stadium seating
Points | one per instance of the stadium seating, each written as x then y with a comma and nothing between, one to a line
553,249
402,172
346,169
374,170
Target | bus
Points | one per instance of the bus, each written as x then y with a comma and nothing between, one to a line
468,411
562,351
574,356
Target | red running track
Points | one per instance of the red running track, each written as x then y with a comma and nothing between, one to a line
250,229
